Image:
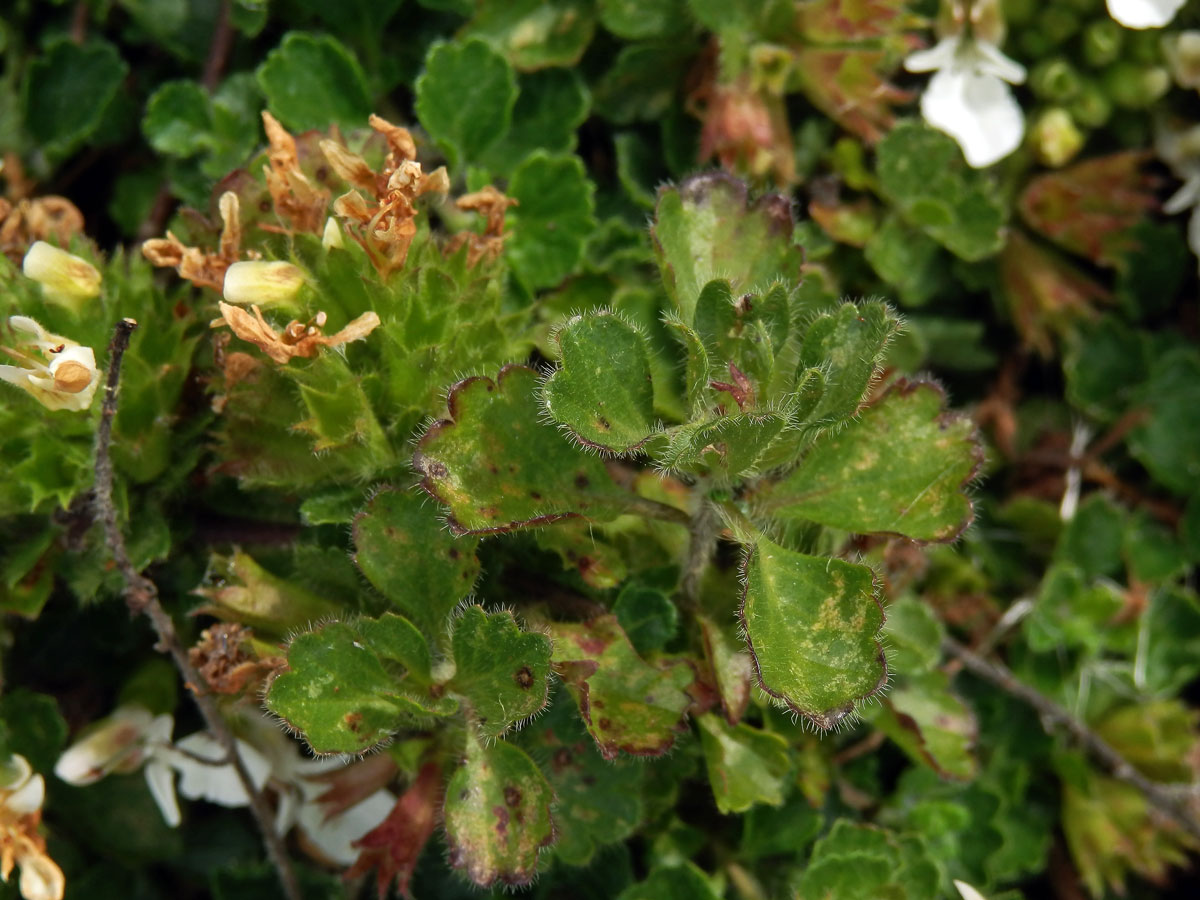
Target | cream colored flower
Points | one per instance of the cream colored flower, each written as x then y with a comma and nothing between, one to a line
265,283
58,372
66,279
21,796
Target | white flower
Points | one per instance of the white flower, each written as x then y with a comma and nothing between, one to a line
1144,13
131,737
1181,151
21,796
66,279
262,283
58,372
968,98
1183,56
292,777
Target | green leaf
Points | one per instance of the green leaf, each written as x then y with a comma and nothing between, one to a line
780,831
598,801
705,229
1070,612
922,172
500,670
1168,442
313,81
551,105
914,636
465,98
67,90
862,862
746,766
730,445
898,469
345,687
406,552
847,345
36,729
908,261
1091,540
811,624
638,19
178,120
602,391
497,814
498,466
931,725
731,665
534,34
1105,363
627,704
681,881
647,616
552,221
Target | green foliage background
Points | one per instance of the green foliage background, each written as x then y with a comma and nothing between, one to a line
1048,297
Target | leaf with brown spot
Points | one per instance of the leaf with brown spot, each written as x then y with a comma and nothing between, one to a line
497,814
627,703
500,671
498,466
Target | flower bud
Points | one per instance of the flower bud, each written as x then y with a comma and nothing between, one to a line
66,279
1102,43
1183,57
116,744
331,237
1131,86
1055,138
263,283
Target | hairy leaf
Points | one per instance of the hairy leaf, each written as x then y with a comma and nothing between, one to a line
811,624
497,814
628,704
705,229
500,670
900,469
602,391
498,466
847,346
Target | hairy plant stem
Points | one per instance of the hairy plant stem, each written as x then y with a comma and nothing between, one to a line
703,530
141,596
1160,796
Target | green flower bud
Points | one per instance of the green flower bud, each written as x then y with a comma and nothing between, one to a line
1091,107
1055,138
1131,86
1055,80
1102,43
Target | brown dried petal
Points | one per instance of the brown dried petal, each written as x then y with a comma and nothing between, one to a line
400,140
350,166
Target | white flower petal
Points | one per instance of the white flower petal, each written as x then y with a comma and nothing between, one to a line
989,60
216,783
161,780
41,878
115,744
28,797
334,836
978,111
939,56
968,892
1194,231
1144,13
1186,197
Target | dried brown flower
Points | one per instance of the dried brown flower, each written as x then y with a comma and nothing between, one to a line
302,339
492,205
202,268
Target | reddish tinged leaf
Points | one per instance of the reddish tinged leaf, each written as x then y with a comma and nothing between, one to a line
745,129
626,703
838,21
1045,294
847,223
1090,207
846,85
393,847
732,667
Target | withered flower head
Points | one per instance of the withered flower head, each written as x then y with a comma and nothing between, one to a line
202,268
21,796
492,205
297,200
298,338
